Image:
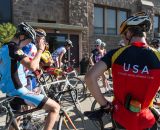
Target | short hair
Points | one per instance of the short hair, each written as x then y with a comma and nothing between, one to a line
137,31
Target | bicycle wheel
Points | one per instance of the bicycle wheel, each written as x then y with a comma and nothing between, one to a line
79,85
70,94
106,119
71,120
34,121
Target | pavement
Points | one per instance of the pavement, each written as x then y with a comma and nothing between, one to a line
85,106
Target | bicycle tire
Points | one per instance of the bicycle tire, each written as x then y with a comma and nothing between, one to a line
70,96
80,87
36,122
76,118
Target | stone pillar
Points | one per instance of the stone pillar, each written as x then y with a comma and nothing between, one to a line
78,15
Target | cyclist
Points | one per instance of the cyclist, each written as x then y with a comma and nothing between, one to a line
46,58
135,82
96,53
58,54
13,80
95,57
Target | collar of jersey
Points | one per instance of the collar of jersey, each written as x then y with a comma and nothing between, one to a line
139,44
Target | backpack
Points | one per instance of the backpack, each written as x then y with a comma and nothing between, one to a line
4,65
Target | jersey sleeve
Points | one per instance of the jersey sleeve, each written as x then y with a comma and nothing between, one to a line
108,58
15,52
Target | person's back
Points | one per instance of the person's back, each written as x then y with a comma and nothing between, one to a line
135,70
58,51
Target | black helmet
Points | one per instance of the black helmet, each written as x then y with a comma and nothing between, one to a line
68,42
140,19
155,42
27,30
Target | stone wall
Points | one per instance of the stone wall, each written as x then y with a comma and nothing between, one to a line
76,12
32,10
78,15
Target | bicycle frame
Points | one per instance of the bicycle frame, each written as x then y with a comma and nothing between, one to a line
66,84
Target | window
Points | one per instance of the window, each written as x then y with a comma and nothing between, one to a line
108,20
98,20
5,11
155,24
111,21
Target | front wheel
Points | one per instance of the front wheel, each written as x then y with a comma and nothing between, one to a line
79,85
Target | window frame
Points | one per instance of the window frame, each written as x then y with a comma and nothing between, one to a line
104,17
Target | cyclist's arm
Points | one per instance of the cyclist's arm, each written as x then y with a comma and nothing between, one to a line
91,82
33,64
91,59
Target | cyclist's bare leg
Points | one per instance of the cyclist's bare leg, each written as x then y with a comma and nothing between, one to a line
106,85
53,108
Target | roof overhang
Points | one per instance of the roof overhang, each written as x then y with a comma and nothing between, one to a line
56,26
147,3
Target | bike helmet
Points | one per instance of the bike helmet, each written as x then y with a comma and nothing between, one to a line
68,42
40,33
140,19
98,42
155,42
27,30
103,44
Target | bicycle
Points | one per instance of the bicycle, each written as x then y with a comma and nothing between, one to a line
34,121
64,83
31,121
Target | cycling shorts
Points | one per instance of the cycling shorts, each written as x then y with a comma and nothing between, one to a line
37,100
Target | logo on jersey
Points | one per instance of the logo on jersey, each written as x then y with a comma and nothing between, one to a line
20,52
135,68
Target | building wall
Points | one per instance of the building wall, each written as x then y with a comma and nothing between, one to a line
34,10
77,13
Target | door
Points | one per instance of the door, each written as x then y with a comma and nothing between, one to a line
58,40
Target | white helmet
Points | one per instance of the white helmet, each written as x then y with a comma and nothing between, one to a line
140,19
98,42
103,44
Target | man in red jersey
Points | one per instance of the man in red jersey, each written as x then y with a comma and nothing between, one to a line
135,70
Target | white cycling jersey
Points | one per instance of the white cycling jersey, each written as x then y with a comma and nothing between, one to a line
58,51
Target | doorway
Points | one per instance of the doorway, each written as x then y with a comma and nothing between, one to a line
58,40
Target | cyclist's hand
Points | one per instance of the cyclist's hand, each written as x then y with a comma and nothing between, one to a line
41,44
108,108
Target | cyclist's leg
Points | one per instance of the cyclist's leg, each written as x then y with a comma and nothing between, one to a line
40,101
54,108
